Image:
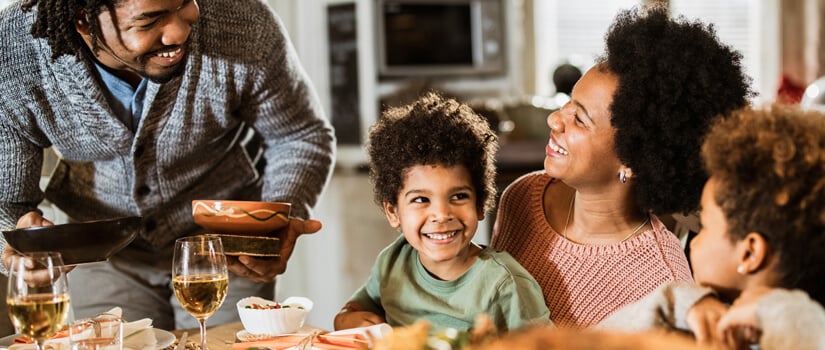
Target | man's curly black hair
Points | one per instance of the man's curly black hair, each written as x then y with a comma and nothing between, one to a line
55,22
433,130
770,167
674,77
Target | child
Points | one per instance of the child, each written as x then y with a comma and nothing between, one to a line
762,237
432,165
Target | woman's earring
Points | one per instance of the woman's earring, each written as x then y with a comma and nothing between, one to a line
623,176
740,269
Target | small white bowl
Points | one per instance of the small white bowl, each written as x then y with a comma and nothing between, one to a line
273,321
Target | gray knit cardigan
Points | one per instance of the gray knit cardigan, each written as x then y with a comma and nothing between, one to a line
241,70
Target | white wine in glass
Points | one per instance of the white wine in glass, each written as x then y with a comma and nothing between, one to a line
200,277
38,295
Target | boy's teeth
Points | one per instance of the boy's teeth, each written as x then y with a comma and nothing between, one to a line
439,236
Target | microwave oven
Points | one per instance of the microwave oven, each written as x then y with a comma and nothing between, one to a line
440,37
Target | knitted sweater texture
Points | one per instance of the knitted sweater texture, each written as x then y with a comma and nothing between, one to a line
583,284
241,70
788,319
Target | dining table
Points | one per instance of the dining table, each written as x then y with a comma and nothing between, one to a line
218,337
221,337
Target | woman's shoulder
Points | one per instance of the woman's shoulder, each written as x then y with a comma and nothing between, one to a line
663,235
670,249
538,176
527,184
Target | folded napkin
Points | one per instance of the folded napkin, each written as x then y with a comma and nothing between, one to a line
137,335
356,338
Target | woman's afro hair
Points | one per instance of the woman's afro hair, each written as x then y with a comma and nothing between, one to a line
674,77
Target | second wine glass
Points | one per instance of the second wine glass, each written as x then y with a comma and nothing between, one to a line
38,295
200,277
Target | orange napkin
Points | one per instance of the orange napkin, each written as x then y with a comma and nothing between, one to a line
25,340
324,341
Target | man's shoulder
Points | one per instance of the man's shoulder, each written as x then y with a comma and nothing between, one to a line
238,28
15,26
247,18
21,51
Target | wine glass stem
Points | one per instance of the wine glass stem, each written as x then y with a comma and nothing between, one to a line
38,344
202,323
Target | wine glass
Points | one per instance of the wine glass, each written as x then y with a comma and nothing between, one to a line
38,295
200,277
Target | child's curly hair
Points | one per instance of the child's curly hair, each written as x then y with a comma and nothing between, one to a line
432,130
770,165
674,77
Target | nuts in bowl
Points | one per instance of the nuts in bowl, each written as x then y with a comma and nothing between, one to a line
261,316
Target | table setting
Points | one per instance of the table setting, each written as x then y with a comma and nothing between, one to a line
280,325
136,335
40,308
38,296
40,312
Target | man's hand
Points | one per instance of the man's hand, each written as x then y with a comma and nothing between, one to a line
265,269
30,219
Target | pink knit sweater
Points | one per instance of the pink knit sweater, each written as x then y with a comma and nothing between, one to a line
583,284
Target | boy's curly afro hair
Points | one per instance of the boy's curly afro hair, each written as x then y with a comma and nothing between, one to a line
432,130
770,165
674,77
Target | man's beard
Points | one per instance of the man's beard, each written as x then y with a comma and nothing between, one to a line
164,77
141,71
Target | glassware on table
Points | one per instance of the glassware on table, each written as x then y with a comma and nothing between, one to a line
200,277
101,332
38,295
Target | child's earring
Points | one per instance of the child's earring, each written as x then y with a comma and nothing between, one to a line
741,269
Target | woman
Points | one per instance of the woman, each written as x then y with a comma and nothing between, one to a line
623,150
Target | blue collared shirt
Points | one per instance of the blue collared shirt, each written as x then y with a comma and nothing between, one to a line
126,102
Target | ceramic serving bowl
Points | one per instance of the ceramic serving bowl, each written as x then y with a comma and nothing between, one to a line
79,242
240,217
260,316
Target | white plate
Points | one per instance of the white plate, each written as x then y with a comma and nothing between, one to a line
6,341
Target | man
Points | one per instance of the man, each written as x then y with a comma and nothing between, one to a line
151,104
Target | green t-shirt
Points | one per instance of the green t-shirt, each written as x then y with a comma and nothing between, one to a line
402,291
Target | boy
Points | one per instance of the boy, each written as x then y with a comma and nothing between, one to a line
432,167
